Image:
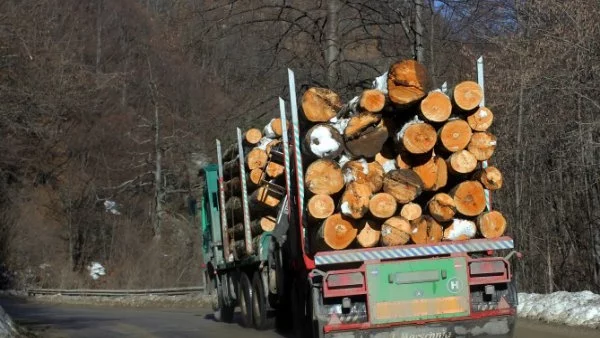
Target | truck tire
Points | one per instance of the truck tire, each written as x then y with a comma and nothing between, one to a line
223,311
260,306
245,296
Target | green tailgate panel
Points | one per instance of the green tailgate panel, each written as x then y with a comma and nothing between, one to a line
418,290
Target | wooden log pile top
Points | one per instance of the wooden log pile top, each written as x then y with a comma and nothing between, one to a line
399,164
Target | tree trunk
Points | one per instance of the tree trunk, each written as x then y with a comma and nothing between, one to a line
411,211
454,136
462,162
436,107
382,205
265,197
417,137
407,82
368,142
256,158
426,230
274,169
490,177
482,145
372,101
239,247
320,104
337,232
491,224
460,230
331,42
419,50
355,200
369,233
320,206
442,207
467,95
237,231
375,176
404,184
323,141
252,136
233,209
395,231
324,177
469,198
481,119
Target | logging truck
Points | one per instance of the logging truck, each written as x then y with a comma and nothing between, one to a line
350,220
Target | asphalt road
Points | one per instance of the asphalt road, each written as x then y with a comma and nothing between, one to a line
54,321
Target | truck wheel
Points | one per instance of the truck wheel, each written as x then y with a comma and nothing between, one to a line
223,311
245,295
262,320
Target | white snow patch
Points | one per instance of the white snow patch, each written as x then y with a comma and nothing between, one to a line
322,143
96,270
402,131
343,160
345,208
568,308
365,166
482,113
353,105
268,130
380,83
389,165
462,227
263,142
339,124
349,176
493,143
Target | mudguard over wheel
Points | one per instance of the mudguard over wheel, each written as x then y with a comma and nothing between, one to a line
245,296
262,319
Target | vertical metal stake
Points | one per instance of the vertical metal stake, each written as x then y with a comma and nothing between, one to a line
247,233
480,80
286,149
224,234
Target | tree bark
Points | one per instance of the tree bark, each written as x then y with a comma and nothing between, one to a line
404,184
395,231
460,230
469,198
454,135
320,104
323,141
237,231
425,230
382,205
324,177
337,232
491,224
233,209
320,206
355,200
369,233
481,119
462,162
442,207
482,145
359,123
368,142
436,107
467,95
411,211
490,177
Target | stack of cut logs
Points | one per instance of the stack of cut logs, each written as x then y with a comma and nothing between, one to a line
395,165
264,171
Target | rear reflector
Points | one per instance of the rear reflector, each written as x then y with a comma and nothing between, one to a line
487,268
345,279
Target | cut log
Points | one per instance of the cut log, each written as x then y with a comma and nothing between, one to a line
231,168
359,123
355,200
255,176
252,136
436,107
372,101
230,152
237,231
407,82
482,145
417,137
323,141
460,230
324,176
469,198
387,156
404,96
320,104
272,144
490,177
232,187
375,176
425,230
320,206
256,158
337,232
442,174
467,95
356,171
411,211
268,223
404,184
369,233
491,224
430,173
233,209
462,162
239,247
481,119
454,135
395,231
382,205
401,163
277,126
263,196
441,207
274,169
369,141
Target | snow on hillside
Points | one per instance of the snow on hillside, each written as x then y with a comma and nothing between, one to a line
569,308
